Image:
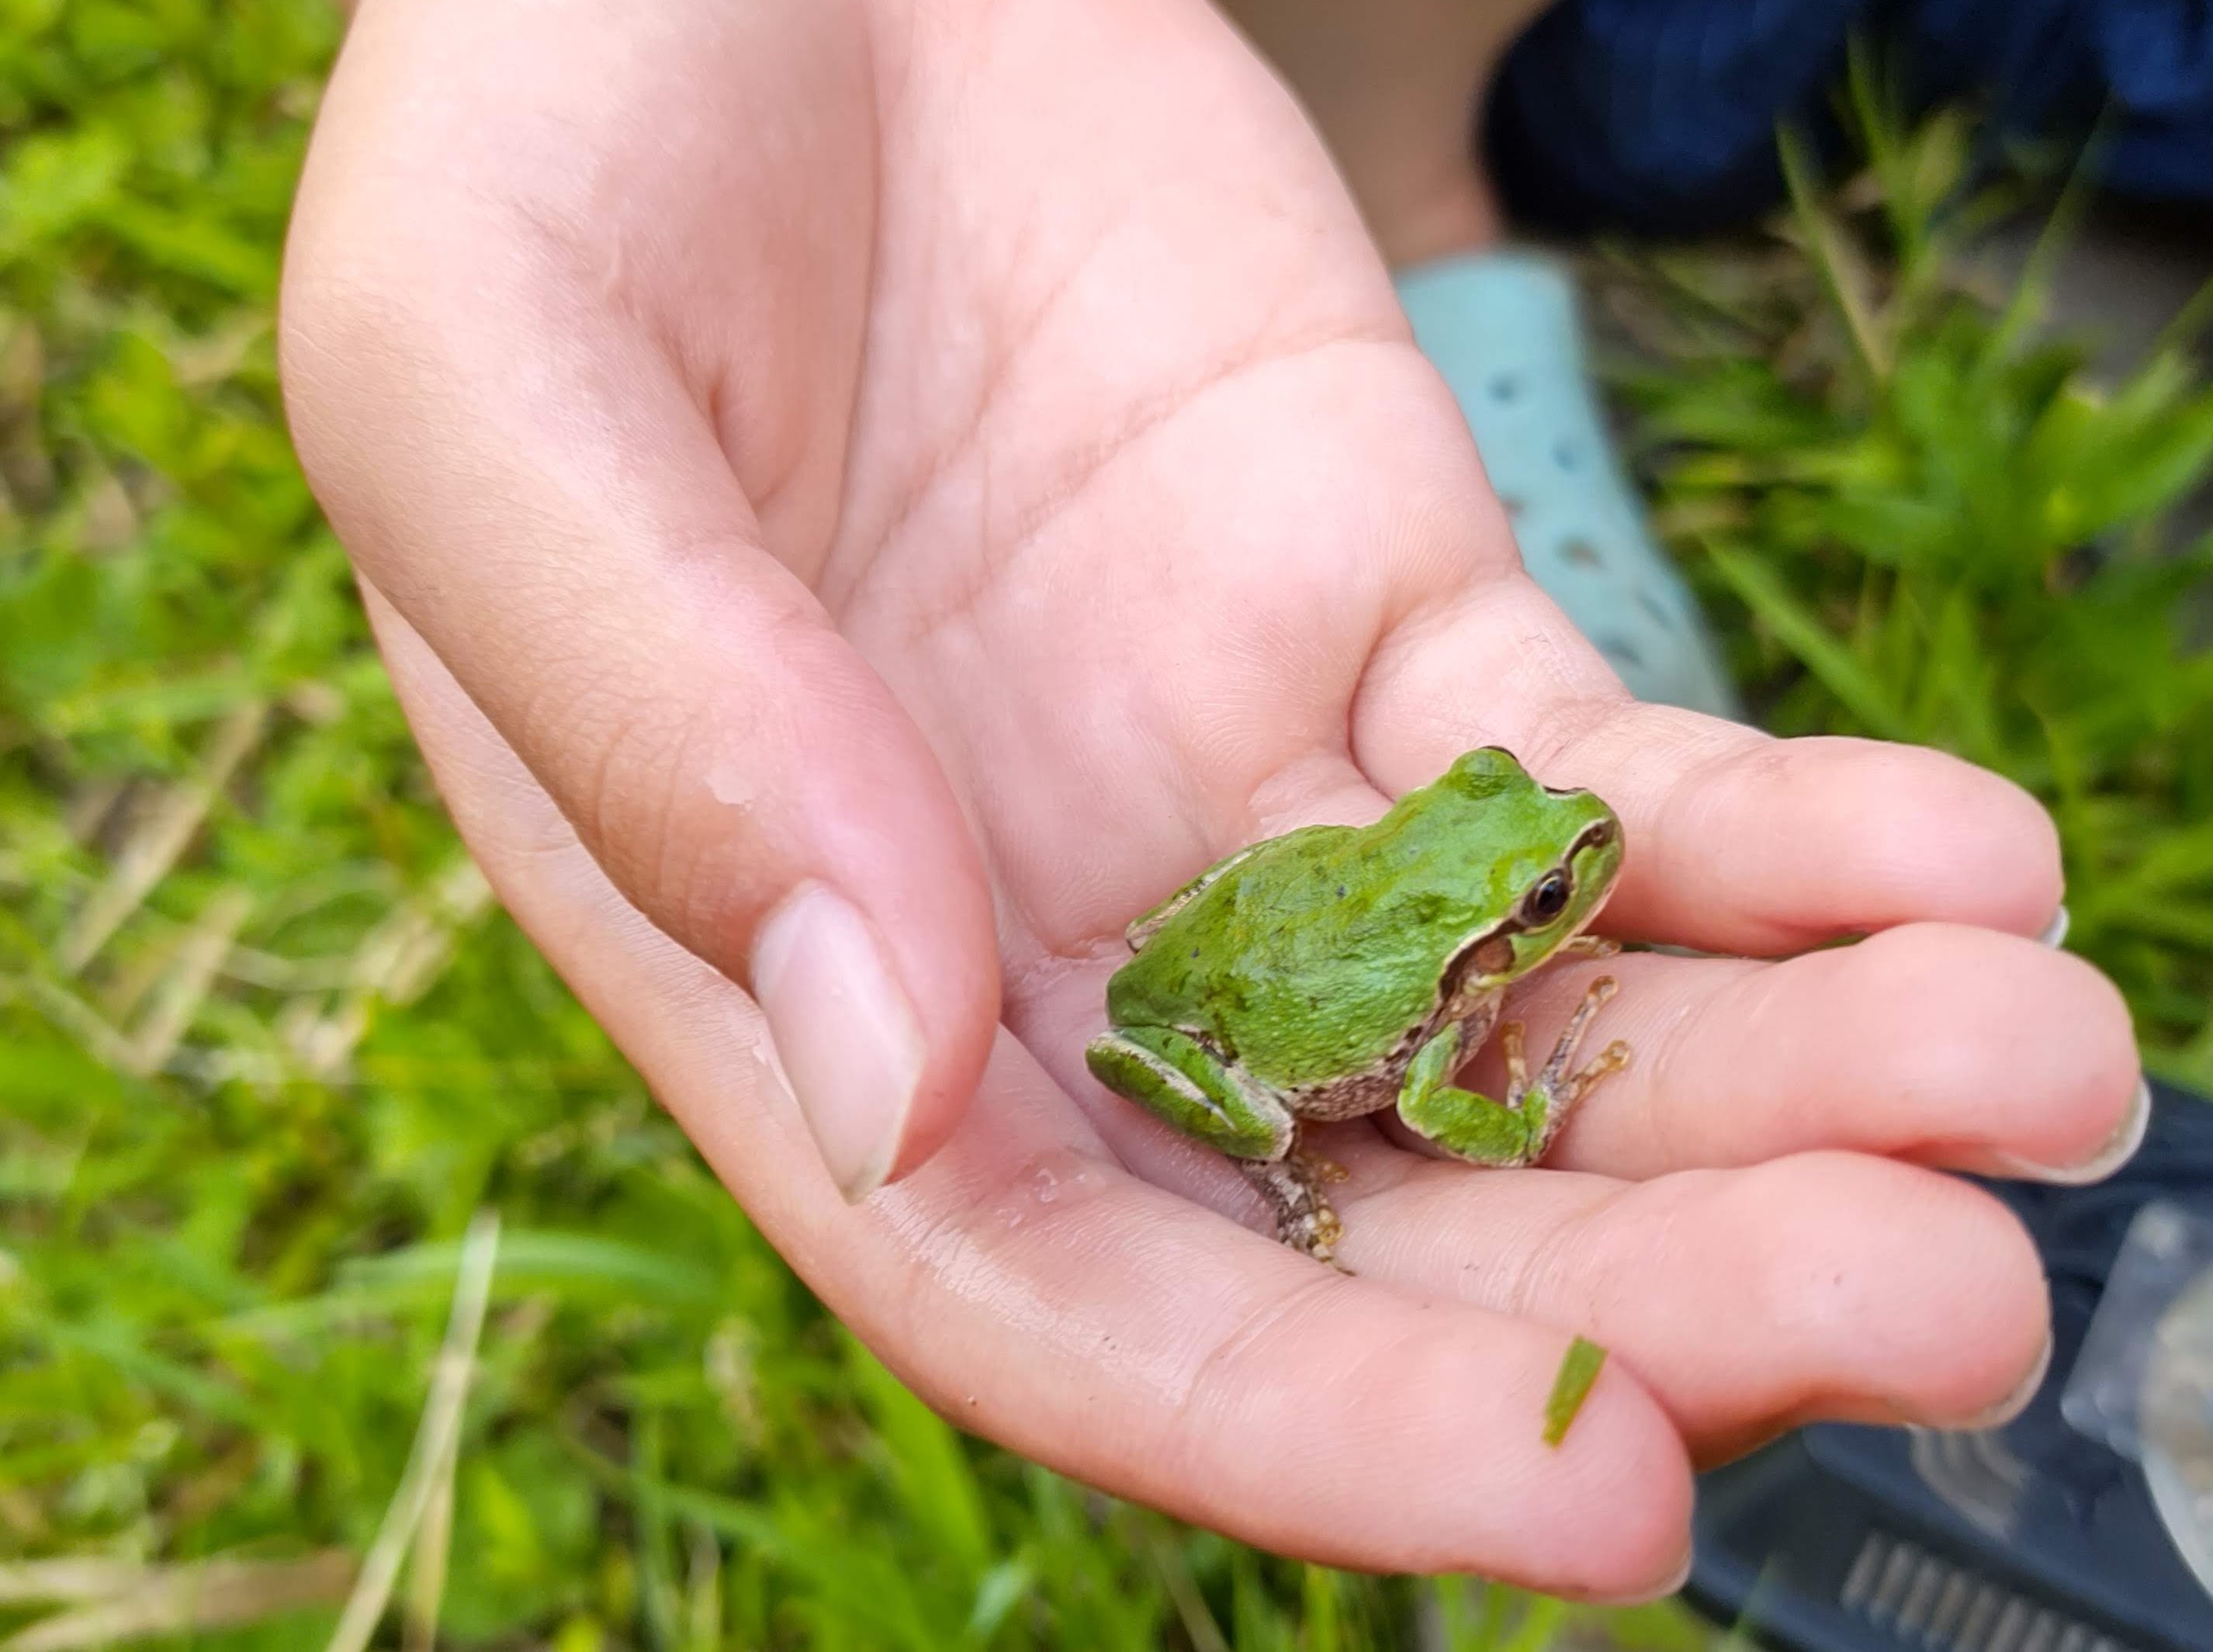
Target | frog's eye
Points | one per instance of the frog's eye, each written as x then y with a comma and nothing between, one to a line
1548,899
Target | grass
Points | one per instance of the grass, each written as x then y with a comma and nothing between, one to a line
270,1060
1917,513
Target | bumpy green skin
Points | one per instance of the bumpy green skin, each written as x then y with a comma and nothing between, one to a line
1330,972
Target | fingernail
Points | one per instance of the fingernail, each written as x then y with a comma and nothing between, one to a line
844,1033
1671,1584
2117,1149
2055,932
2016,1402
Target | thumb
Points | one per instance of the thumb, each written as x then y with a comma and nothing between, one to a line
571,544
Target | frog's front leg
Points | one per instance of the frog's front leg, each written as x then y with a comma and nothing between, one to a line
1517,1130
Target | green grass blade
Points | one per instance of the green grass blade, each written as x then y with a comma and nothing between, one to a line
935,1478
1845,675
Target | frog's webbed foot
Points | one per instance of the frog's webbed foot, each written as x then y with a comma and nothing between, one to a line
1292,1187
1560,1088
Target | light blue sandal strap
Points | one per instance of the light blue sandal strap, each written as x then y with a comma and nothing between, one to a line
1504,330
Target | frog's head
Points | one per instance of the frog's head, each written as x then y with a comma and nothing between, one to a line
1553,857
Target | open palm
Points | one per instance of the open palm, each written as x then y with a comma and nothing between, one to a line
958,470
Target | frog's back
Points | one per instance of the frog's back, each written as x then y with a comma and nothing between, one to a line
1310,962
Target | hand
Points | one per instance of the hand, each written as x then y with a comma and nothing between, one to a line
859,500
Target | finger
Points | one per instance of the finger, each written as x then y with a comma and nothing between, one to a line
1036,1294
1166,1354
517,463
1946,1045
1826,1286
1737,841
862,930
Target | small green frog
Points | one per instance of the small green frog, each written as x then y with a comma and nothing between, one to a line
1336,970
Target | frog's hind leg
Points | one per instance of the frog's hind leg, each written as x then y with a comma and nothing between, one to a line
1187,1083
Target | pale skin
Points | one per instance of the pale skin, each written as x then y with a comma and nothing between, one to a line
969,457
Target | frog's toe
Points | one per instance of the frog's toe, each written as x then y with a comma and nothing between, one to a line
1328,1233
1612,1059
1513,1046
1304,1219
1589,946
1555,1075
1318,1235
1321,1169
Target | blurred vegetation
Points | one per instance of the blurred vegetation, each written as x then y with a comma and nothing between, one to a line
1921,515
270,1056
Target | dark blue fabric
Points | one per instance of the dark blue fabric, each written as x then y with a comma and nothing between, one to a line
1659,115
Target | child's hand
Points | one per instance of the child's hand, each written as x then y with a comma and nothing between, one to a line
862,500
